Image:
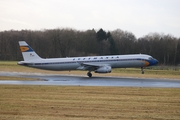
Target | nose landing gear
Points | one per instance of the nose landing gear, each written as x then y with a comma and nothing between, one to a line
142,70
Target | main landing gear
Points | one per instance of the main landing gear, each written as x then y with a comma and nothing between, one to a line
142,70
89,74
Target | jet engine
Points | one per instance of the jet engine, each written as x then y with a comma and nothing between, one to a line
103,69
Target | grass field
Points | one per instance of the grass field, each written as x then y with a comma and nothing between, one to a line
88,103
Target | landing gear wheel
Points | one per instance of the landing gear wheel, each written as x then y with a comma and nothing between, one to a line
89,74
142,70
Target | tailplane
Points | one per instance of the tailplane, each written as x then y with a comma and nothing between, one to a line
27,52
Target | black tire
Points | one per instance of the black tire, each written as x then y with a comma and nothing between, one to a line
89,74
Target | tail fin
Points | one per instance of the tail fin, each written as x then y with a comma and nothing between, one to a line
27,52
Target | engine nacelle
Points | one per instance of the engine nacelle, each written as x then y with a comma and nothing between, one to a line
103,69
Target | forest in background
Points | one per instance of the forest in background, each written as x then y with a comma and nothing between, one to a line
66,42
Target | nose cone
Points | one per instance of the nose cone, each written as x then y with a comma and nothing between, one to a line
154,62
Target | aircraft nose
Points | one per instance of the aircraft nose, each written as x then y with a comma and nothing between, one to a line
154,62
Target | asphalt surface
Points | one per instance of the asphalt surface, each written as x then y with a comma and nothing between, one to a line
73,80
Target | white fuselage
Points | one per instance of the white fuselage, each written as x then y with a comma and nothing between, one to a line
74,63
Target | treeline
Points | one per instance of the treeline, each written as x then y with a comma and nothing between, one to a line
53,43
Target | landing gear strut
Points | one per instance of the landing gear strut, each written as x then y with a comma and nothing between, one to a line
142,70
89,74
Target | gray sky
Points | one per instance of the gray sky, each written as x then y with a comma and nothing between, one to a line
140,17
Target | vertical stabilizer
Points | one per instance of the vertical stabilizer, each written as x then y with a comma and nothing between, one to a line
27,52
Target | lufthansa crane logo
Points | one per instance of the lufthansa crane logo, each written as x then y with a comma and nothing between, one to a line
24,48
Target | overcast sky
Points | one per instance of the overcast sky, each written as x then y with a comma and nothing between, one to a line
140,17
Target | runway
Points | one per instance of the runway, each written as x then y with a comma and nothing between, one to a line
74,80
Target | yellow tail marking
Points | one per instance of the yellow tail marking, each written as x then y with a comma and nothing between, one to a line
24,48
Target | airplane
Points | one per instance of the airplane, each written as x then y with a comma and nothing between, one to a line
98,64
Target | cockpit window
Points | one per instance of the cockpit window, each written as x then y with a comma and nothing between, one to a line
150,58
